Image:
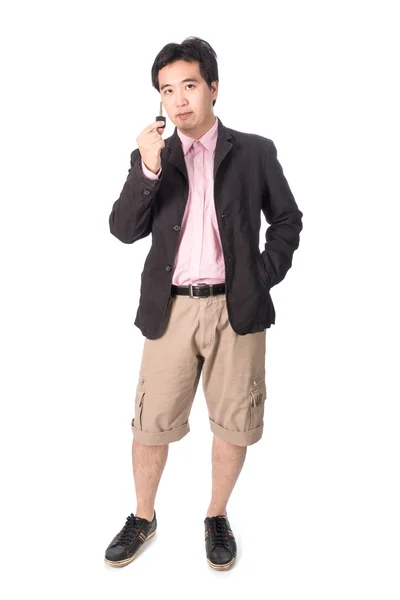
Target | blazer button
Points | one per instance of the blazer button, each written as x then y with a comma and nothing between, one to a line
168,268
176,227
146,192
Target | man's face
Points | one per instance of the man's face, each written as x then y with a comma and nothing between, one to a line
194,97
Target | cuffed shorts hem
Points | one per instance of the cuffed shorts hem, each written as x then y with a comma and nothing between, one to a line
238,438
161,437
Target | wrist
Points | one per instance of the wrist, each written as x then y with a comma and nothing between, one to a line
151,168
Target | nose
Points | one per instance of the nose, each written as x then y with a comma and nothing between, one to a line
180,101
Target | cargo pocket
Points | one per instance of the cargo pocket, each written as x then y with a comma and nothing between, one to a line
258,394
139,399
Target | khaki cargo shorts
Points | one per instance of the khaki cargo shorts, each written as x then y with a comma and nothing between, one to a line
200,340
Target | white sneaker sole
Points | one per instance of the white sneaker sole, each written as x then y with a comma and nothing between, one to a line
221,567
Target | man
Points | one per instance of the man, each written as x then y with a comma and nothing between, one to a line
205,299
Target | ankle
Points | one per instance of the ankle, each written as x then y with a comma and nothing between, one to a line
216,512
145,513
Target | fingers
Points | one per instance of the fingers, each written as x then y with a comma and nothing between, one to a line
154,126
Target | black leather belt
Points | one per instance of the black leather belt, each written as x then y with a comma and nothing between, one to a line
198,290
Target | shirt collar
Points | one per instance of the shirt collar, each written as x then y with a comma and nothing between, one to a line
208,139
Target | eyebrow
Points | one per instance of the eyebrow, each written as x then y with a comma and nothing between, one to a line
183,81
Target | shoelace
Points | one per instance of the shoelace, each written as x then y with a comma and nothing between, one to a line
130,530
218,531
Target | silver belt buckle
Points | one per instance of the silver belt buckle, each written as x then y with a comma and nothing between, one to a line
197,285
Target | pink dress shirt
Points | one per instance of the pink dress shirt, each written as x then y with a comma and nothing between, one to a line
199,256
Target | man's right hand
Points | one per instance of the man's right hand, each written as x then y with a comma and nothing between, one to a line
150,144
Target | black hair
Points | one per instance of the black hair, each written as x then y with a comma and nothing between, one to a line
190,50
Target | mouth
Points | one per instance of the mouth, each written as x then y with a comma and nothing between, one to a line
183,115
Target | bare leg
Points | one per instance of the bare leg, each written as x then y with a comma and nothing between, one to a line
148,465
227,462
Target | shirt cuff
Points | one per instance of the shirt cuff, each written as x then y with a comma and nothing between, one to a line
149,173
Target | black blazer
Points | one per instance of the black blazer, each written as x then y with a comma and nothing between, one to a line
248,179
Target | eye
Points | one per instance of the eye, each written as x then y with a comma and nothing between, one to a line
169,89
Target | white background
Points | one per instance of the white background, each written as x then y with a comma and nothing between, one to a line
315,509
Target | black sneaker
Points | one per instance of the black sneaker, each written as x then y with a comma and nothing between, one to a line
220,542
127,543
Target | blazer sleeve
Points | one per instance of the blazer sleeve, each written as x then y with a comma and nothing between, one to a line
284,219
131,215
